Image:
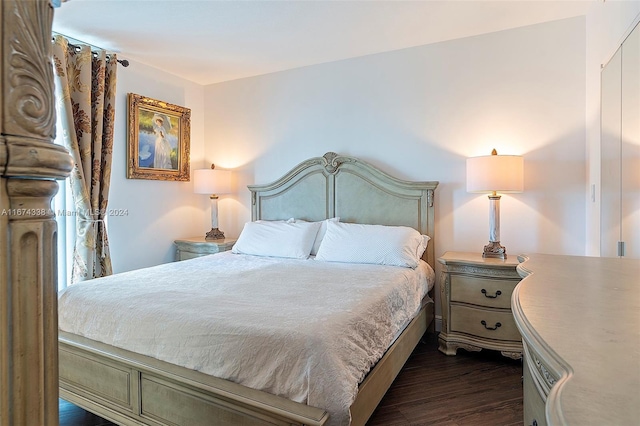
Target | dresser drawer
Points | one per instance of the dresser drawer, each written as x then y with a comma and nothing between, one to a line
484,323
482,291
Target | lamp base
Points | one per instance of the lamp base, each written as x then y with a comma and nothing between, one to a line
494,250
214,234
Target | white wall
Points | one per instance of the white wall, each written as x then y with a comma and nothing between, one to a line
418,113
607,23
158,211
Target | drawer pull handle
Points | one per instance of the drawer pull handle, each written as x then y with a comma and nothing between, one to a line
535,423
498,325
498,293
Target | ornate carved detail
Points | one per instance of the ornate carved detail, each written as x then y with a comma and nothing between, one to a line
28,78
329,157
330,162
430,197
467,347
444,276
512,355
544,372
487,272
214,234
444,299
450,341
451,348
494,249
443,346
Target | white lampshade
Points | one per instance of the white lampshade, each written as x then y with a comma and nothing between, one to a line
499,173
211,181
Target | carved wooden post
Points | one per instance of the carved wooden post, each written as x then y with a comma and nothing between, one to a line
29,163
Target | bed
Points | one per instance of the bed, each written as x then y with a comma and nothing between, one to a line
140,387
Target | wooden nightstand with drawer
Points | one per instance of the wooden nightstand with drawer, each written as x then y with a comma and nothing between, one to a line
188,248
475,293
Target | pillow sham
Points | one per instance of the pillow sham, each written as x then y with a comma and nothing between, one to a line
277,239
374,244
321,232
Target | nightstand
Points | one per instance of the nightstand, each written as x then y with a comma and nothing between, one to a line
475,293
188,248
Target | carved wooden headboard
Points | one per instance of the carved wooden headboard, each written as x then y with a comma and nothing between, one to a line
348,188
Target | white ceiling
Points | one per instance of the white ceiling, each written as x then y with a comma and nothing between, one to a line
213,41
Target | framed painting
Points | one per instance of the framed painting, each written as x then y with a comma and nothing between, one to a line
158,139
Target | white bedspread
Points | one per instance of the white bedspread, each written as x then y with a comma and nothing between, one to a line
303,329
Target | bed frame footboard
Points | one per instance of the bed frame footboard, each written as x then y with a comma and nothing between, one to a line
132,389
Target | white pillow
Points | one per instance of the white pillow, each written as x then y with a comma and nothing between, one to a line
321,232
277,239
377,244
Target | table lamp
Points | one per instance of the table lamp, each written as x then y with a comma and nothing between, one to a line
495,173
213,182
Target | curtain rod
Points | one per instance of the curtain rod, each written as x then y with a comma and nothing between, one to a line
122,62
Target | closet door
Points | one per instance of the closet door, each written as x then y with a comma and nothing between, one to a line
620,151
630,146
611,105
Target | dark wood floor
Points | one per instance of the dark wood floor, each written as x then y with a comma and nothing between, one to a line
472,388
71,415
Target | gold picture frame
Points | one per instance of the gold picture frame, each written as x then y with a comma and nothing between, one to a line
158,139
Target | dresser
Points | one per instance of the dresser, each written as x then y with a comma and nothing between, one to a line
580,323
475,294
188,248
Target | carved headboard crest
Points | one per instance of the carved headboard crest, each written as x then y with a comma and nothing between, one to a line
333,161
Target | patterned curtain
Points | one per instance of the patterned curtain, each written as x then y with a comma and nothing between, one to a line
85,92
